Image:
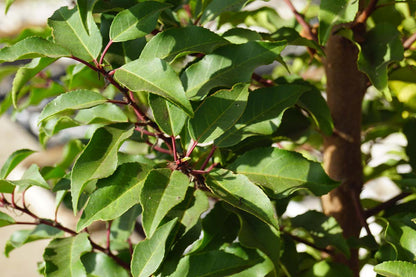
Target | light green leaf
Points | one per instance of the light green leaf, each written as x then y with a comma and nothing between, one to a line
30,48
85,7
32,177
73,100
241,35
176,42
162,190
122,228
145,75
168,117
27,72
53,126
114,195
218,113
104,113
5,219
13,160
217,7
257,234
63,256
228,65
396,269
382,46
101,265
7,6
136,21
283,172
99,158
149,253
333,12
263,113
69,32
238,191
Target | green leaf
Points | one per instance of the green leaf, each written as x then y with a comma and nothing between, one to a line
263,113
238,191
32,177
21,237
122,228
257,234
324,230
100,264
136,21
30,48
326,269
149,253
168,117
176,42
114,195
145,75
13,160
283,172
27,72
73,100
53,126
69,32
228,65
224,262
104,113
399,233
6,186
5,219
99,158
333,12
294,38
162,190
396,269
241,35
382,46
409,130
63,256
7,5
217,7
218,113
85,7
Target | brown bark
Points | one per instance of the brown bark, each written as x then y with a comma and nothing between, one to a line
342,155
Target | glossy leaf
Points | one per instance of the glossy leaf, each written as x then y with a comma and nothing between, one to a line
176,42
69,32
99,158
13,160
216,7
396,269
99,264
382,46
6,219
218,113
237,190
263,113
27,72
257,234
30,48
73,100
114,195
333,12
283,172
162,190
228,65
62,256
168,117
136,21
144,75
149,253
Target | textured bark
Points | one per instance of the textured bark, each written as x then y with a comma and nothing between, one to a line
342,155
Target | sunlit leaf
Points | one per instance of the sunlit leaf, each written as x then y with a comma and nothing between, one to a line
13,160
6,219
396,269
100,264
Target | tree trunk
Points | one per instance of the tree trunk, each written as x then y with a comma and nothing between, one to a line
342,154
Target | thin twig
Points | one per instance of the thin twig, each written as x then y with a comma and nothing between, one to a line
265,82
381,207
209,157
108,237
365,14
105,52
301,20
191,148
409,41
308,243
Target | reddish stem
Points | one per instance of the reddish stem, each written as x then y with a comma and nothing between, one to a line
362,18
105,52
108,237
191,149
175,154
209,157
210,168
301,20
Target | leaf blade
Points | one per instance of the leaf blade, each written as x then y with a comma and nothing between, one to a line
13,160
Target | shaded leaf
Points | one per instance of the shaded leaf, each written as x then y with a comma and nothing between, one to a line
63,256
13,160
144,75
114,195
69,32
333,12
396,269
228,65
238,191
217,7
241,35
162,190
30,48
409,130
218,113
149,253
99,264
326,269
294,38
53,126
123,226
176,42
73,100
85,7
99,157
283,172
5,219
136,21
